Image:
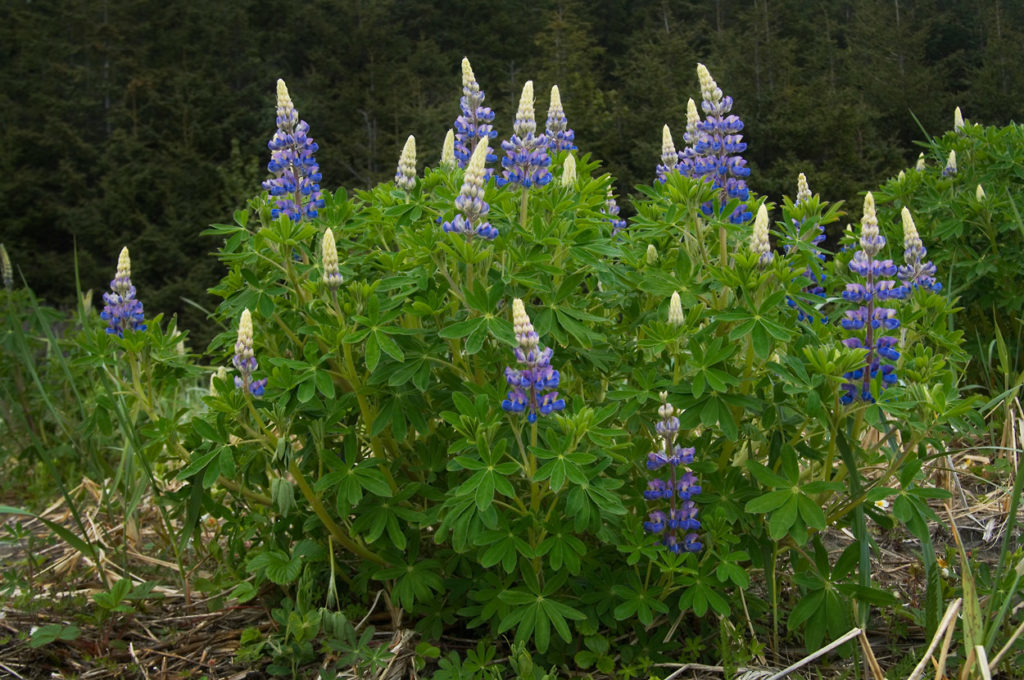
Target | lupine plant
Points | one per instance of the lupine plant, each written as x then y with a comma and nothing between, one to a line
416,430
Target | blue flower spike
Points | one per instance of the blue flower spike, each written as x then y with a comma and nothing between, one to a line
532,381
677,528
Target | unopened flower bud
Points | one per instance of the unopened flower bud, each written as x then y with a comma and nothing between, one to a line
448,150
958,120
759,238
652,254
569,171
950,168
803,192
329,260
405,177
6,268
902,176
979,194
675,311
920,162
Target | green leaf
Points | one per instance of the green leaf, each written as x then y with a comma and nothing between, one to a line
782,519
389,346
461,329
279,568
372,352
769,501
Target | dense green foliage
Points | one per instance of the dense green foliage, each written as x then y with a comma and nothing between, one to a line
141,122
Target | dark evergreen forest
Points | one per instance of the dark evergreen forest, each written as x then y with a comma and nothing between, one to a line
138,123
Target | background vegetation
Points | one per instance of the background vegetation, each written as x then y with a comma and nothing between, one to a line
140,122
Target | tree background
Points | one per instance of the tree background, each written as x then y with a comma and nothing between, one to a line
138,123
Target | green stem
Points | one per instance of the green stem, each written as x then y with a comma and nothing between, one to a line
337,532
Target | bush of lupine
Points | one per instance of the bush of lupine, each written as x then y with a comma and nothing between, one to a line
479,391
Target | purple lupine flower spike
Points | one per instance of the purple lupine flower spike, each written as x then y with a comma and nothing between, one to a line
688,156
470,201
530,384
245,358
526,153
719,146
122,311
295,186
870,318
560,136
916,274
678,488
803,195
474,123
611,209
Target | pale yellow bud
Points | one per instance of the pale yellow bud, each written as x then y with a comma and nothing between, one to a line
911,239
668,147
958,120
526,336
709,89
920,162
803,192
6,270
526,123
467,73
979,193
221,374
951,163
901,176
329,260
475,167
692,119
675,311
652,254
284,100
759,238
569,171
556,100
405,177
448,150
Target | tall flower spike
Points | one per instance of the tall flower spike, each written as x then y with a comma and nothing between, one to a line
803,194
559,136
526,153
870,318
329,260
920,162
474,123
679,487
295,186
405,177
470,201
719,146
448,150
245,358
916,274
688,156
950,168
6,268
669,156
759,237
569,171
530,383
979,194
958,120
121,310
611,209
